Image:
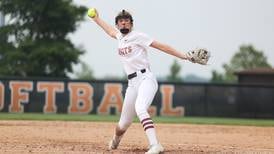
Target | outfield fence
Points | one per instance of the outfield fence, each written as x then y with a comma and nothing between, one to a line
104,97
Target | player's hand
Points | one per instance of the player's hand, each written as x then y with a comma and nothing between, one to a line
200,56
188,57
96,15
93,13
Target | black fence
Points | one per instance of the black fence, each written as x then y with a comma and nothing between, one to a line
226,100
105,97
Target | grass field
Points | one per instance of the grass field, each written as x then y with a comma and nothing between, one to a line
101,118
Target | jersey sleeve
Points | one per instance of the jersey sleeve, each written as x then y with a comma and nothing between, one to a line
144,40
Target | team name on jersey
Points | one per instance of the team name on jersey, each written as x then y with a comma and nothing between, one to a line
124,51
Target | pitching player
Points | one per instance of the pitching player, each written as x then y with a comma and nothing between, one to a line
142,85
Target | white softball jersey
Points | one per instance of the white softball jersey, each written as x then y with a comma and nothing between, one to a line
132,50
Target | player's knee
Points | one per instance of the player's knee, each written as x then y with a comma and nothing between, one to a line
140,109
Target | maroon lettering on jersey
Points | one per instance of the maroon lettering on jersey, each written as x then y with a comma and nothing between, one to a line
124,51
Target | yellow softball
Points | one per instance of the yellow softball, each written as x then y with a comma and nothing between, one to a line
92,12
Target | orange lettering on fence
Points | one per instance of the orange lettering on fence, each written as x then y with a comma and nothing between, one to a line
81,100
19,96
167,101
50,88
112,98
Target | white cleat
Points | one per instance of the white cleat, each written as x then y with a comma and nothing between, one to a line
113,144
155,149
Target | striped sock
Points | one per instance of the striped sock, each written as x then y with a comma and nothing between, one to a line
150,130
147,123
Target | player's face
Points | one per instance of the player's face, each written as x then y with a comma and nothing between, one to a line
124,25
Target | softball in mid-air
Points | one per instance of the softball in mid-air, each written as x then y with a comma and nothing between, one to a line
92,12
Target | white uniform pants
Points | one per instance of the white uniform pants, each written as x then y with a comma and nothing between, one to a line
139,96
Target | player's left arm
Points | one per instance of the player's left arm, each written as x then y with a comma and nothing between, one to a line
169,50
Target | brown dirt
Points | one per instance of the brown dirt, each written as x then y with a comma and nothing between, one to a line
92,137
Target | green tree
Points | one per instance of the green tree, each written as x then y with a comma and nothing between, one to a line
174,72
86,72
217,77
34,40
246,58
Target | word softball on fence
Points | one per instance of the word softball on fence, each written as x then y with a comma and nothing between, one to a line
79,96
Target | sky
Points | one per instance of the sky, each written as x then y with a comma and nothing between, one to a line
220,26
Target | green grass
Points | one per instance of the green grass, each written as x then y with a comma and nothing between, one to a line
101,118
56,117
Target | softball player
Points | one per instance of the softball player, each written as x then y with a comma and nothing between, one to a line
142,84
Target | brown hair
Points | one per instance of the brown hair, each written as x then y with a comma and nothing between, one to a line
123,15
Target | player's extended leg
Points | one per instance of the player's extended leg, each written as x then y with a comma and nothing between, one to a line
146,93
126,118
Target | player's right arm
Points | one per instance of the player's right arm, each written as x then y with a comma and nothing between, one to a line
111,31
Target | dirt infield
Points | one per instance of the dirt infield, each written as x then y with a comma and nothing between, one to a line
92,137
